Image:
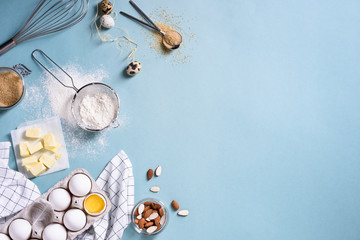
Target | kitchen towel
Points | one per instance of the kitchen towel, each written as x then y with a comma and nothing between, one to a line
16,191
117,181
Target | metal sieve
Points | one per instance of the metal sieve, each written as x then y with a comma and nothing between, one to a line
88,89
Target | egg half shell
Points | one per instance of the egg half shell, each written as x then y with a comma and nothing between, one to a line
80,185
54,232
20,229
60,199
74,219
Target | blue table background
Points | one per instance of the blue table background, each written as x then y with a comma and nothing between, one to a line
258,134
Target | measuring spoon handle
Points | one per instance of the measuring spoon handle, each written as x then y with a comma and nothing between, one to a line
145,16
137,20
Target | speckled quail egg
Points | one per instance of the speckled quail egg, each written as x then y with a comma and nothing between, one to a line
74,219
133,68
60,199
107,21
106,7
80,185
20,229
4,237
54,231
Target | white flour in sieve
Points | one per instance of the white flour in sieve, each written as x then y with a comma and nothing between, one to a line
48,98
98,111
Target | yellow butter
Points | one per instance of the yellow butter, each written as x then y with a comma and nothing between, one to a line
47,160
24,151
29,166
29,160
54,149
58,155
49,140
36,147
33,133
37,169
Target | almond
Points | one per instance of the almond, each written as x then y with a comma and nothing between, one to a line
136,212
151,229
146,208
155,189
175,205
147,203
158,227
147,213
161,212
153,215
150,174
157,220
162,220
136,221
139,217
155,206
183,213
141,208
142,223
148,224
158,171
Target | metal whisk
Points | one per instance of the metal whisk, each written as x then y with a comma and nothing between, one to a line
48,17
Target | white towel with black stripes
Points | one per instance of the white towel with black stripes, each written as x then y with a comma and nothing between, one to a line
16,191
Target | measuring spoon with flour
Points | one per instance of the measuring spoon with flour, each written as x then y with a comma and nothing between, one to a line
94,106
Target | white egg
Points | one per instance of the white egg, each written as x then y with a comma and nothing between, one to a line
4,237
80,185
107,21
54,232
60,199
74,219
20,229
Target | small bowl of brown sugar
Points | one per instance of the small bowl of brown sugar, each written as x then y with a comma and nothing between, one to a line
12,88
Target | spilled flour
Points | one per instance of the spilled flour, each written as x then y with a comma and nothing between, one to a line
50,98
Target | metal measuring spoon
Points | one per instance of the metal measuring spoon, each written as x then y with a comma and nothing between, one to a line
165,35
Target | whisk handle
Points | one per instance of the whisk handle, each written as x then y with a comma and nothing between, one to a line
6,46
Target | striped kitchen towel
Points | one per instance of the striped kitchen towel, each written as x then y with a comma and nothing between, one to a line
16,191
117,181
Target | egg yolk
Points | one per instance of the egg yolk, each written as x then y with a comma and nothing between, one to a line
94,204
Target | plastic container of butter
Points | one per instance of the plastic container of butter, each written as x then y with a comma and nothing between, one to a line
60,212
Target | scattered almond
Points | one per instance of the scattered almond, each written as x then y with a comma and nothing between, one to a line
158,171
150,174
151,229
155,189
183,213
175,205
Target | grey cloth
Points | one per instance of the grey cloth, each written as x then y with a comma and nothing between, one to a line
16,191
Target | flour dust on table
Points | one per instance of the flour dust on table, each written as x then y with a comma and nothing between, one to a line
50,98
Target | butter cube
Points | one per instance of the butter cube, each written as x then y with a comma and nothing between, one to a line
24,151
33,133
29,166
37,169
54,149
47,160
36,147
58,155
29,160
49,140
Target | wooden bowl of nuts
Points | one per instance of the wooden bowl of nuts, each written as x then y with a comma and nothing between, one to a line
149,216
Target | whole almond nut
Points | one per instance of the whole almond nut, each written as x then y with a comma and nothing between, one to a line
147,213
175,205
147,203
146,208
161,212
150,174
136,212
158,227
151,229
141,208
158,171
157,220
155,206
183,213
136,221
153,215
162,220
155,189
148,224
142,223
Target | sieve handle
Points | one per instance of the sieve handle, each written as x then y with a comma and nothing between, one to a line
72,81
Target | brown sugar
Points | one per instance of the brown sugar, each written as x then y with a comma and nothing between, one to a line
11,88
172,38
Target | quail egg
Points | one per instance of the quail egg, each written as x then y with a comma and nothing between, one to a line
74,219
133,68
80,185
60,199
54,231
20,229
107,21
106,7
